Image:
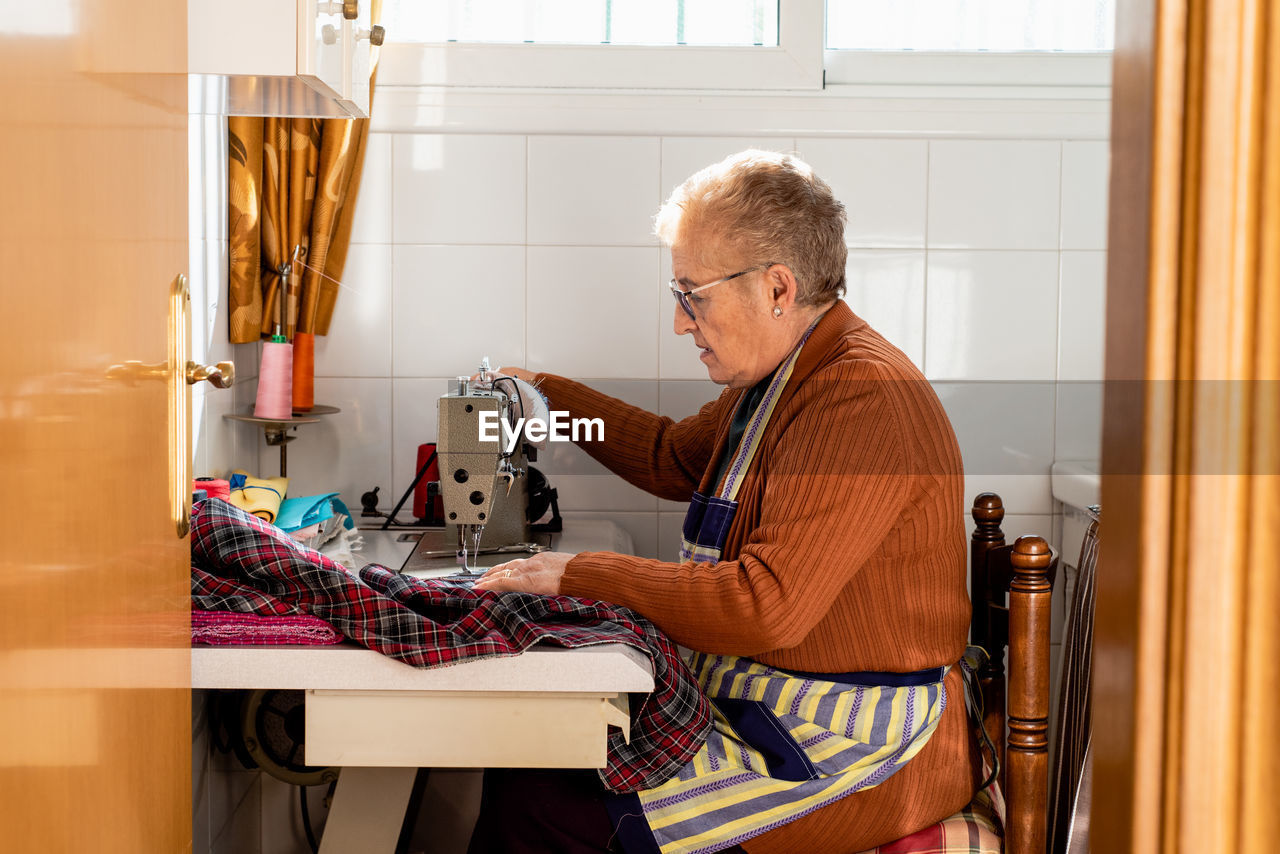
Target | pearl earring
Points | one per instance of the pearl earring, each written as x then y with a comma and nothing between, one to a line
777,311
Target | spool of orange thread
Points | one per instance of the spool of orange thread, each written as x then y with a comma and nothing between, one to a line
304,371
275,380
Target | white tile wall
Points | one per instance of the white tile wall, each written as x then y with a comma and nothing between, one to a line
886,288
994,194
207,147
593,311
1085,172
883,184
681,398
215,440
593,190
348,452
1005,432
457,189
358,343
1081,310
992,316
453,305
374,204
414,423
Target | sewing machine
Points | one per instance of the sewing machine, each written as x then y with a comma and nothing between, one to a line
483,486
491,495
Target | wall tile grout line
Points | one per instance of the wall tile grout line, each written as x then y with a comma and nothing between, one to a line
391,313
924,301
527,171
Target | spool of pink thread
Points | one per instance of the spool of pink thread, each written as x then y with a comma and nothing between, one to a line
275,380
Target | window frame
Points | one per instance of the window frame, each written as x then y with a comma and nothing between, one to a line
800,62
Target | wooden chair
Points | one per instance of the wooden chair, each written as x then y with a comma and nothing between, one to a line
1010,587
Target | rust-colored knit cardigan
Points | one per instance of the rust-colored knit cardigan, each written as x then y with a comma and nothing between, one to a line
847,552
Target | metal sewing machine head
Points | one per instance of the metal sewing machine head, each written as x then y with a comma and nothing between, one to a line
483,467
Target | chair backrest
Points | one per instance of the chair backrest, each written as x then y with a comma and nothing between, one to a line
1069,815
1011,588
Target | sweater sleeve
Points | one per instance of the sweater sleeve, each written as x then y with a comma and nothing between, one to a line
834,485
655,453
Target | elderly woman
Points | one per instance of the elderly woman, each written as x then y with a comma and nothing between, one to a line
821,589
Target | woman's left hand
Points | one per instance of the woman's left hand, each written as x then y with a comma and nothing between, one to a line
539,573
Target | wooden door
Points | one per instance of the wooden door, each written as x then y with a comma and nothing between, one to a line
94,638
1186,656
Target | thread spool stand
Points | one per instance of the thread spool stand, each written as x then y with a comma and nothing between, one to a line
280,432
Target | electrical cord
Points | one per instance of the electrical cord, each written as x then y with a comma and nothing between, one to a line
515,395
391,519
515,391
306,821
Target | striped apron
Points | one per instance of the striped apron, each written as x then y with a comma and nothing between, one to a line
783,743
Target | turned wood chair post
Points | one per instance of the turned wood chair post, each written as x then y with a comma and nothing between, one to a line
1027,774
989,629
1011,589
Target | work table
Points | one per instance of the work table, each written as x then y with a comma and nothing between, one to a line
548,707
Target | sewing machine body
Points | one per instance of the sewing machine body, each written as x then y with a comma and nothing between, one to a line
482,485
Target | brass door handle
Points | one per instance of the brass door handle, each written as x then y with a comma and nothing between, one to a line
221,375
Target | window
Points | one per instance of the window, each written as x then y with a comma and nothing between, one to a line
617,44
971,25
629,22
745,44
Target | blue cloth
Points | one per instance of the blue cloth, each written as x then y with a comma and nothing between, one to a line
297,513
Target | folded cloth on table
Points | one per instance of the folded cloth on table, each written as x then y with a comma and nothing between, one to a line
212,593
304,511
260,496
227,628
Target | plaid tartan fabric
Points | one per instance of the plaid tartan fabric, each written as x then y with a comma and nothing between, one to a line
211,593
976,829
433,624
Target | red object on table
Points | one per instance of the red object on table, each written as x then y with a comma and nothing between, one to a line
420,511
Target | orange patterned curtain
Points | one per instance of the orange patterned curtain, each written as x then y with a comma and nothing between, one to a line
293,183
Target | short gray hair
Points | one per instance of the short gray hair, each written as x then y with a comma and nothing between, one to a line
765,207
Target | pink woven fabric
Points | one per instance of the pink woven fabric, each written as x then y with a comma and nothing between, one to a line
227,628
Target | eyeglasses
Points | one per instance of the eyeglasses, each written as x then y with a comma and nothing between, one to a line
682,297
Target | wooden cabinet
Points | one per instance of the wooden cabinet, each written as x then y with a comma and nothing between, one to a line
281,57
